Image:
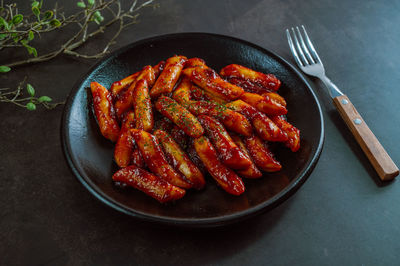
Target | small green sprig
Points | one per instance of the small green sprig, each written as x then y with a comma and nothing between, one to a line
26,28
19,30
30,102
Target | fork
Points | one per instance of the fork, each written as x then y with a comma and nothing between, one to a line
309,62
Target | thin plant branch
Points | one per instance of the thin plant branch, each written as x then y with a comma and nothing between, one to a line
17,31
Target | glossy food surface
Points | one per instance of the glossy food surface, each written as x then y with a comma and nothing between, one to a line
89,154
155,159
104,111
148,183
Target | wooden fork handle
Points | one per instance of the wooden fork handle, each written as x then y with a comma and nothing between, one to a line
380,160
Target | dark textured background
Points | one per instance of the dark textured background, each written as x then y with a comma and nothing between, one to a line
342,215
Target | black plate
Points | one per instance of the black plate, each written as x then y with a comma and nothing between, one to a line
90,156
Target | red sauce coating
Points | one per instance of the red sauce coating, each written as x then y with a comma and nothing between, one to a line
291,131
179,136
248,85
175,159
182,92
194,157
252,171
125,144
232,120
179,160
142,106
169,76
263,126
180,116
265,81
155,159
199,94
194,62
275,97
265,104
125,100
229,152
148,183
261,155
164,124
104,111
224,176
210,81
137,158
118,86
158,69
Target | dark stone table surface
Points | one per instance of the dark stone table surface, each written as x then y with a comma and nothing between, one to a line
343,215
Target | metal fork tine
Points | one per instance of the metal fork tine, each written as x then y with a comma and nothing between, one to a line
302,56
305,49
293,49
311,46
367,140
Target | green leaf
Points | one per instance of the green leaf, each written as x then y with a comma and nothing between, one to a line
81,4
98,18
4,69
30,89
97,14
31,35
31,50
4,23
91,3
55,23
17,19
44,99
35,4
36,12
3,35
31,106
24,42
34,52
48,15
